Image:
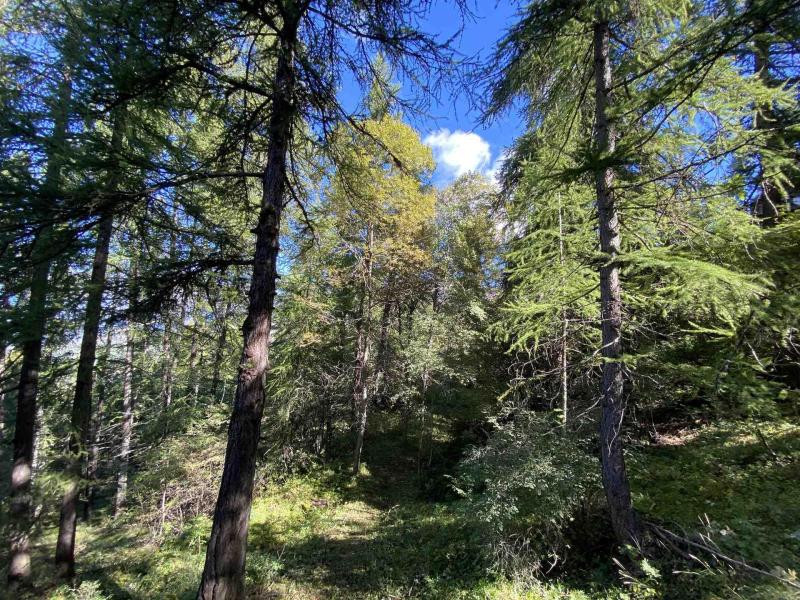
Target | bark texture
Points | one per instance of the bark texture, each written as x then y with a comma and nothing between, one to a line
615,478
82,404
223,574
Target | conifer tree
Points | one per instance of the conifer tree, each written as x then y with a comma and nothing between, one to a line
382,210
34,329
306,71
636,92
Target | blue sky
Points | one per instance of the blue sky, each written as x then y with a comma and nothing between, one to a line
452,128
459,142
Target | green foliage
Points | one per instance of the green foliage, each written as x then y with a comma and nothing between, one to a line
86,590
528,496
471,310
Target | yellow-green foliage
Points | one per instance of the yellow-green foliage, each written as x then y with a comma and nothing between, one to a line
379,183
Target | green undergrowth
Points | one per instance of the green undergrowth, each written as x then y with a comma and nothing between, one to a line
737,484
315,536
384,534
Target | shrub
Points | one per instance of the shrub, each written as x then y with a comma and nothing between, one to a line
529,485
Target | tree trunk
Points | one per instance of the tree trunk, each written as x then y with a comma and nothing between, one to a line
382,358
563,367
223,574
97,424
166,345
564,324
767,202
82,404
127,424
5,304
162,508
81,418
166,353
615,478
427,432
20,496
196,391
360,387
193,380
3,354
37,441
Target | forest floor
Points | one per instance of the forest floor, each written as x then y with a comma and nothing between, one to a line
387,535
324,534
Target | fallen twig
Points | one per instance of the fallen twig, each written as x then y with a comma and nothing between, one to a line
668,536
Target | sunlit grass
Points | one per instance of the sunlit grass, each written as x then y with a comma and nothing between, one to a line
327,534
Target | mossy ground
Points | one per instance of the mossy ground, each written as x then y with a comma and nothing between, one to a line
383,535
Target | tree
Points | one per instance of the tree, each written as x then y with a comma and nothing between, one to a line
642,130
304,79
121,495
82,401
615,478
382,210
34,332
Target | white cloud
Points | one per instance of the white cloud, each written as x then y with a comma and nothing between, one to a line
459,152
493,172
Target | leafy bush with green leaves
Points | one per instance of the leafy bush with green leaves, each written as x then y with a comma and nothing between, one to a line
528,494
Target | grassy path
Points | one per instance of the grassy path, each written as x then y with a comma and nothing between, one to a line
373,536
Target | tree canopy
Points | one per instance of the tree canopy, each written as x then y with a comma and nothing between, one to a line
255,344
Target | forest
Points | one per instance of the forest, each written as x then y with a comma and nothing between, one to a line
382,299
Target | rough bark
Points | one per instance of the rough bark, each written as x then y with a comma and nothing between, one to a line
127,424
223,574
615,479
20,496
82,404
361,375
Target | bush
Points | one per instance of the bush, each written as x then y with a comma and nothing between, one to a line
530,486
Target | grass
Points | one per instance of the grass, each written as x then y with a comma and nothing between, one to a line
384,534
738,483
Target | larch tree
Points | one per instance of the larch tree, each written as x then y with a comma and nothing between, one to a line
310,45
82,402
34,326
124,454
382,209
636,92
